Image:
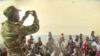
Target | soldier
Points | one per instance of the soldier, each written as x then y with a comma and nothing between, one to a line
13,30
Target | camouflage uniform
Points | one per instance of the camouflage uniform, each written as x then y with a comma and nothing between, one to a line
12,34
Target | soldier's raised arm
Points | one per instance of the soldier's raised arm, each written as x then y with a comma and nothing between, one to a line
25,16
34,27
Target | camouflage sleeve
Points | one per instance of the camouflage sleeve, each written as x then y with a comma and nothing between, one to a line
33,28
5,31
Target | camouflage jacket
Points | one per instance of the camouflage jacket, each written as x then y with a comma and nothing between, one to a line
13,33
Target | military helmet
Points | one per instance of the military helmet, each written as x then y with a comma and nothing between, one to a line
9,11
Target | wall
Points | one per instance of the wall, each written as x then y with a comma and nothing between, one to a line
70,17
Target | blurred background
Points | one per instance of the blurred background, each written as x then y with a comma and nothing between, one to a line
67,16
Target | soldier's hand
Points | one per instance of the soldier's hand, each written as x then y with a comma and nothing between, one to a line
27,13
34,13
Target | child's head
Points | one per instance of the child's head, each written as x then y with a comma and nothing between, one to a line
94,48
